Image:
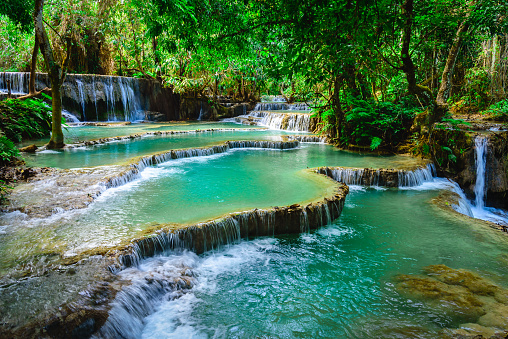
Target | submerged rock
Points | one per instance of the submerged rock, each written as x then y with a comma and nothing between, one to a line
463,295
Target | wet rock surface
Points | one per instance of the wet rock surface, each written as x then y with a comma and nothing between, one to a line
477,303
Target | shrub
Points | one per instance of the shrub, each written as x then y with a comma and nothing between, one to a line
26,119
8,151
498,111
371,123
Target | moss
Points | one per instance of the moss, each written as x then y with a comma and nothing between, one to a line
452,299
471,281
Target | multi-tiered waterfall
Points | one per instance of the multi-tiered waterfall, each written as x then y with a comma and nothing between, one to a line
88,97
278,115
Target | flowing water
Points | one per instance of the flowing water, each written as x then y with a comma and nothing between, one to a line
337,281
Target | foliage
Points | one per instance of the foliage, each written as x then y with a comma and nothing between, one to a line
8,152
476,88
15,46
26,119
4,190
371,123
499,110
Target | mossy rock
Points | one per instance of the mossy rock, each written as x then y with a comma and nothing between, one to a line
473,282
455,300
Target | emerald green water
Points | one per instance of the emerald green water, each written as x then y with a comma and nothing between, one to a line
336,282
122,151
75,134
184,191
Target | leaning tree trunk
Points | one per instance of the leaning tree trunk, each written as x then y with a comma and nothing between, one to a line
441,107
31,85
56,77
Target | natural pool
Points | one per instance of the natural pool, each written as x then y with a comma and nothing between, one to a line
74,133
334,282
337,281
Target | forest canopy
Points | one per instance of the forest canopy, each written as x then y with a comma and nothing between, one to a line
367,67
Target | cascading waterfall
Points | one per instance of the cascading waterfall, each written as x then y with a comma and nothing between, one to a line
481,143
94,94
16,81
81,93
160,267
380,177
262,115
69,118
417,177
278,106
109,94
130,101
201,112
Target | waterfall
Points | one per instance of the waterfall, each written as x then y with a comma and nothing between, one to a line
417,177
69,118
16,81
480,162
109,94
94,96
380,177
279,106
81,94
296,122
201,111
130,101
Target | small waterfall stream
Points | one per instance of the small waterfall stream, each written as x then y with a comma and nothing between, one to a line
94,95
265,114
81,93
16,81
480,162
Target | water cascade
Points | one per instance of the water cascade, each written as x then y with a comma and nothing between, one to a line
81,94
130,101
480,162
109,93
294,122
94,94
276,106
16,81
174,277
69,118
97,97
380,177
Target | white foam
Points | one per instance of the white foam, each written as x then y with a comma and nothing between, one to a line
48,151
173,318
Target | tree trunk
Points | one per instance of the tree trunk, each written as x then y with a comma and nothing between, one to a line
408,67
31,85
445,87
56,77
350,77
337,108
157,59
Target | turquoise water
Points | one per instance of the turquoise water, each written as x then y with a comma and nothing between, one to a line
186,191
75,134
335,282
122,151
